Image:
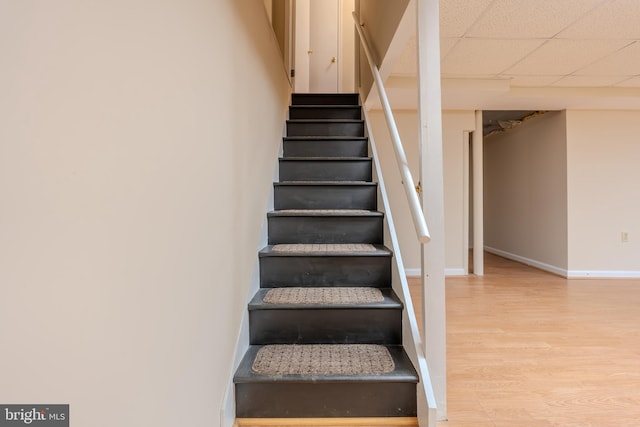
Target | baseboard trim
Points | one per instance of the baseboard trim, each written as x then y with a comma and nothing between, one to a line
569,274
528,261
412,272
454,272
603,274
415,272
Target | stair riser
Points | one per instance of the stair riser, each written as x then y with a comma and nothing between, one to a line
325,126
325,197
288,400
321,170
324,99
300,229
287,271
298,112
326,326
320,148
309,128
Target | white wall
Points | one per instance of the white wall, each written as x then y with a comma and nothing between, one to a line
138,142
454,125
604,193
525,189
383,16
407,122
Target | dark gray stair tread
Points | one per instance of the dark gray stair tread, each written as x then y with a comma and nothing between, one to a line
326,159
321,127
391,301
320,121
325,168
336,226
338,106
326,183
326,106
403,372
325,111
325,99
325,195
346,323
321,138
329,146
380,251
324,213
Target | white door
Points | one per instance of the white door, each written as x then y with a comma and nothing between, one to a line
323,45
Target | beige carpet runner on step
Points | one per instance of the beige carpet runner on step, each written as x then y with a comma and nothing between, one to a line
323,359
325,247
323,296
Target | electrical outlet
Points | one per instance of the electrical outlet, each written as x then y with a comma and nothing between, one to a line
624,236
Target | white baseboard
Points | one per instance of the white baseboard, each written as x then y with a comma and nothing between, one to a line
528,261
415,272
569,274
412,272
604,274
454,272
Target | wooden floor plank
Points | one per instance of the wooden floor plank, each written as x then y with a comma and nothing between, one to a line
528,348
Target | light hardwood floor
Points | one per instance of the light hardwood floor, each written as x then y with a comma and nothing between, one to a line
526,348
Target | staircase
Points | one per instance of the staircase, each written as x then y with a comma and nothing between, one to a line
325,326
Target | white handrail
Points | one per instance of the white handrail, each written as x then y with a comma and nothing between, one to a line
415,206
411,334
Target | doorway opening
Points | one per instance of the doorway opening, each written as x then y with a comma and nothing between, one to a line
324,46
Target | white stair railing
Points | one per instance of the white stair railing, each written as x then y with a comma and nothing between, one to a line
412,339
419,222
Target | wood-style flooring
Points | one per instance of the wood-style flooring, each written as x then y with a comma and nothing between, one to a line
526,348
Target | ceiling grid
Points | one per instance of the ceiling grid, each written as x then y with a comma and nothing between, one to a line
541,44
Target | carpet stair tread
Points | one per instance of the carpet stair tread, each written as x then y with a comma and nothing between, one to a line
378,251
389,301
403,370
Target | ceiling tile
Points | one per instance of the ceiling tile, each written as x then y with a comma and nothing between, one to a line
588,81
632,82
529,19
407,65
619,19
562,57
446,45
531,81
456,16
486,57
623,62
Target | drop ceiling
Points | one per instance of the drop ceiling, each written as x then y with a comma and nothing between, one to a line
533,54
